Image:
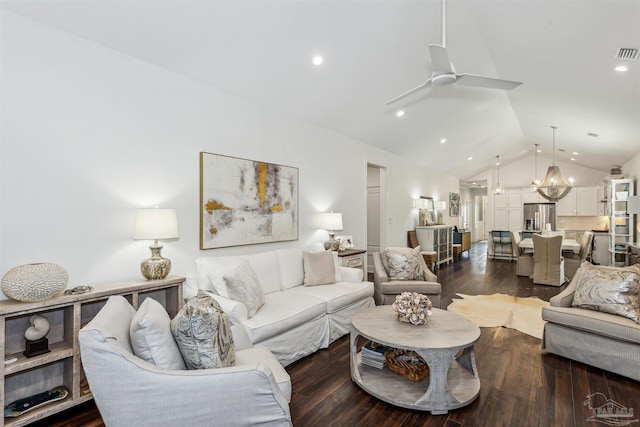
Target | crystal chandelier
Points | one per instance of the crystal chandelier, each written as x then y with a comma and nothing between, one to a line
554,187
498,189
536,182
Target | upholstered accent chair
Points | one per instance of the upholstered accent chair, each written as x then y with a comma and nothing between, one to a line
386,289
572,261
130,391
524,259
548,263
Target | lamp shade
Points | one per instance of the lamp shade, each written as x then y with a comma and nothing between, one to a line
155,224
331,221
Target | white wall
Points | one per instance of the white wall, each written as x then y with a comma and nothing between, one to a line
89,134
520,173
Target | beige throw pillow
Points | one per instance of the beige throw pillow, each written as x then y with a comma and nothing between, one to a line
403,263
319,268
203,333
610,290
241,284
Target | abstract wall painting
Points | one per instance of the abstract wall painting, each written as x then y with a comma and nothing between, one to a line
244,202
454,204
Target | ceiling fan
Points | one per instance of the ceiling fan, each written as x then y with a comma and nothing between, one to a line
444,74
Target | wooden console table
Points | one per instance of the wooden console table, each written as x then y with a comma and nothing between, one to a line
62,366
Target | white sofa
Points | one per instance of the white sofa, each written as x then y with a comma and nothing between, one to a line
130,391
295,320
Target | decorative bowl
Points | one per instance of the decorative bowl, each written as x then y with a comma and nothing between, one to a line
412,307
34,282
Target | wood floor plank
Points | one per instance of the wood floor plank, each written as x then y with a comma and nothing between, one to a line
521,384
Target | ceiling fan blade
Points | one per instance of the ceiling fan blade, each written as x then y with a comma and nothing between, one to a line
424,85
487,82
440,60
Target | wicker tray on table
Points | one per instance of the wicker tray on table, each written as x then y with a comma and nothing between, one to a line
407,363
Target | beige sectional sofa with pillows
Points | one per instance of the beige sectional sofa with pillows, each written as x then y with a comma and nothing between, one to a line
293,314
595,319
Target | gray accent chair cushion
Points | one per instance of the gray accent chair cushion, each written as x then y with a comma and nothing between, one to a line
603,340
386,289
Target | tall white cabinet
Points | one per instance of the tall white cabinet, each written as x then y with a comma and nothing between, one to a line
620,221
437,238
507,210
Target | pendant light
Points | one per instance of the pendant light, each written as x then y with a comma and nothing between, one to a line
498,189
536,182
554,187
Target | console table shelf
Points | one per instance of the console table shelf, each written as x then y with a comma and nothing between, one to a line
67,314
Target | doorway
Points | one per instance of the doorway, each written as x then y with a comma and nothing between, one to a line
376,212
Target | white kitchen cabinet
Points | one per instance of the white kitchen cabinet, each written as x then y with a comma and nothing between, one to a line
581,201
531,197
507,210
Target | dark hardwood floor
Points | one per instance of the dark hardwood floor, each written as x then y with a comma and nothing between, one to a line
521,385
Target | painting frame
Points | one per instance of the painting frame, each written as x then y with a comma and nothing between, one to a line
454,204
246,202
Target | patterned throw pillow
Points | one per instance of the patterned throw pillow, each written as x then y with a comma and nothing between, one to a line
241,284
610,290
403,263
203,334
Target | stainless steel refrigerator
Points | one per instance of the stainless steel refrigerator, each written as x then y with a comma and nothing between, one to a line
538,215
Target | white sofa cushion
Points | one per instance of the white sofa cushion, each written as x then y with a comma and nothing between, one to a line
336,296
291,267
151,337
281,312
265,264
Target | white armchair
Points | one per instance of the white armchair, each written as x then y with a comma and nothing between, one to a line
130,391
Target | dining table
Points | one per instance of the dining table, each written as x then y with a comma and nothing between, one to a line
567,244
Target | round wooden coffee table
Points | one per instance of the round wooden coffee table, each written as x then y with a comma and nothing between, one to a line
452,382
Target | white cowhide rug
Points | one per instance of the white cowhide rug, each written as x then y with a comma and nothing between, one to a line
522,314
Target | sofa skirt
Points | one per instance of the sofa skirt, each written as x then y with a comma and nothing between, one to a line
620,357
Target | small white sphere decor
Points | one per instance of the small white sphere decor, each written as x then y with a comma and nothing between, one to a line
34,282
412,307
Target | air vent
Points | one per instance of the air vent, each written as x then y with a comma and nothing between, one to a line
627,53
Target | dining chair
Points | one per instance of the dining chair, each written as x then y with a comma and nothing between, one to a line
548,264
524,259
572,261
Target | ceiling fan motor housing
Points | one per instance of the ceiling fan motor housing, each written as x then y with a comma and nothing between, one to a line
443,79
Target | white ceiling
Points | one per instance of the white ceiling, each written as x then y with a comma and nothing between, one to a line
563,51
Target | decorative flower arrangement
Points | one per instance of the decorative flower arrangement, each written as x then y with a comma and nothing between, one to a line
412,307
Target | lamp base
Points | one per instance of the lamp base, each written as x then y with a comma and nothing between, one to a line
156,267
332,244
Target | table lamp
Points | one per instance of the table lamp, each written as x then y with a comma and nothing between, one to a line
155,224
331,221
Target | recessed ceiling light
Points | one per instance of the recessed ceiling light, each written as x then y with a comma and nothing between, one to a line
400,113
317,60
539,150
621,68
573,159
575,153
474,183
470,158
443,140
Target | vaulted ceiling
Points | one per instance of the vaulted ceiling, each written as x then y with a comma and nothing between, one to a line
564,51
